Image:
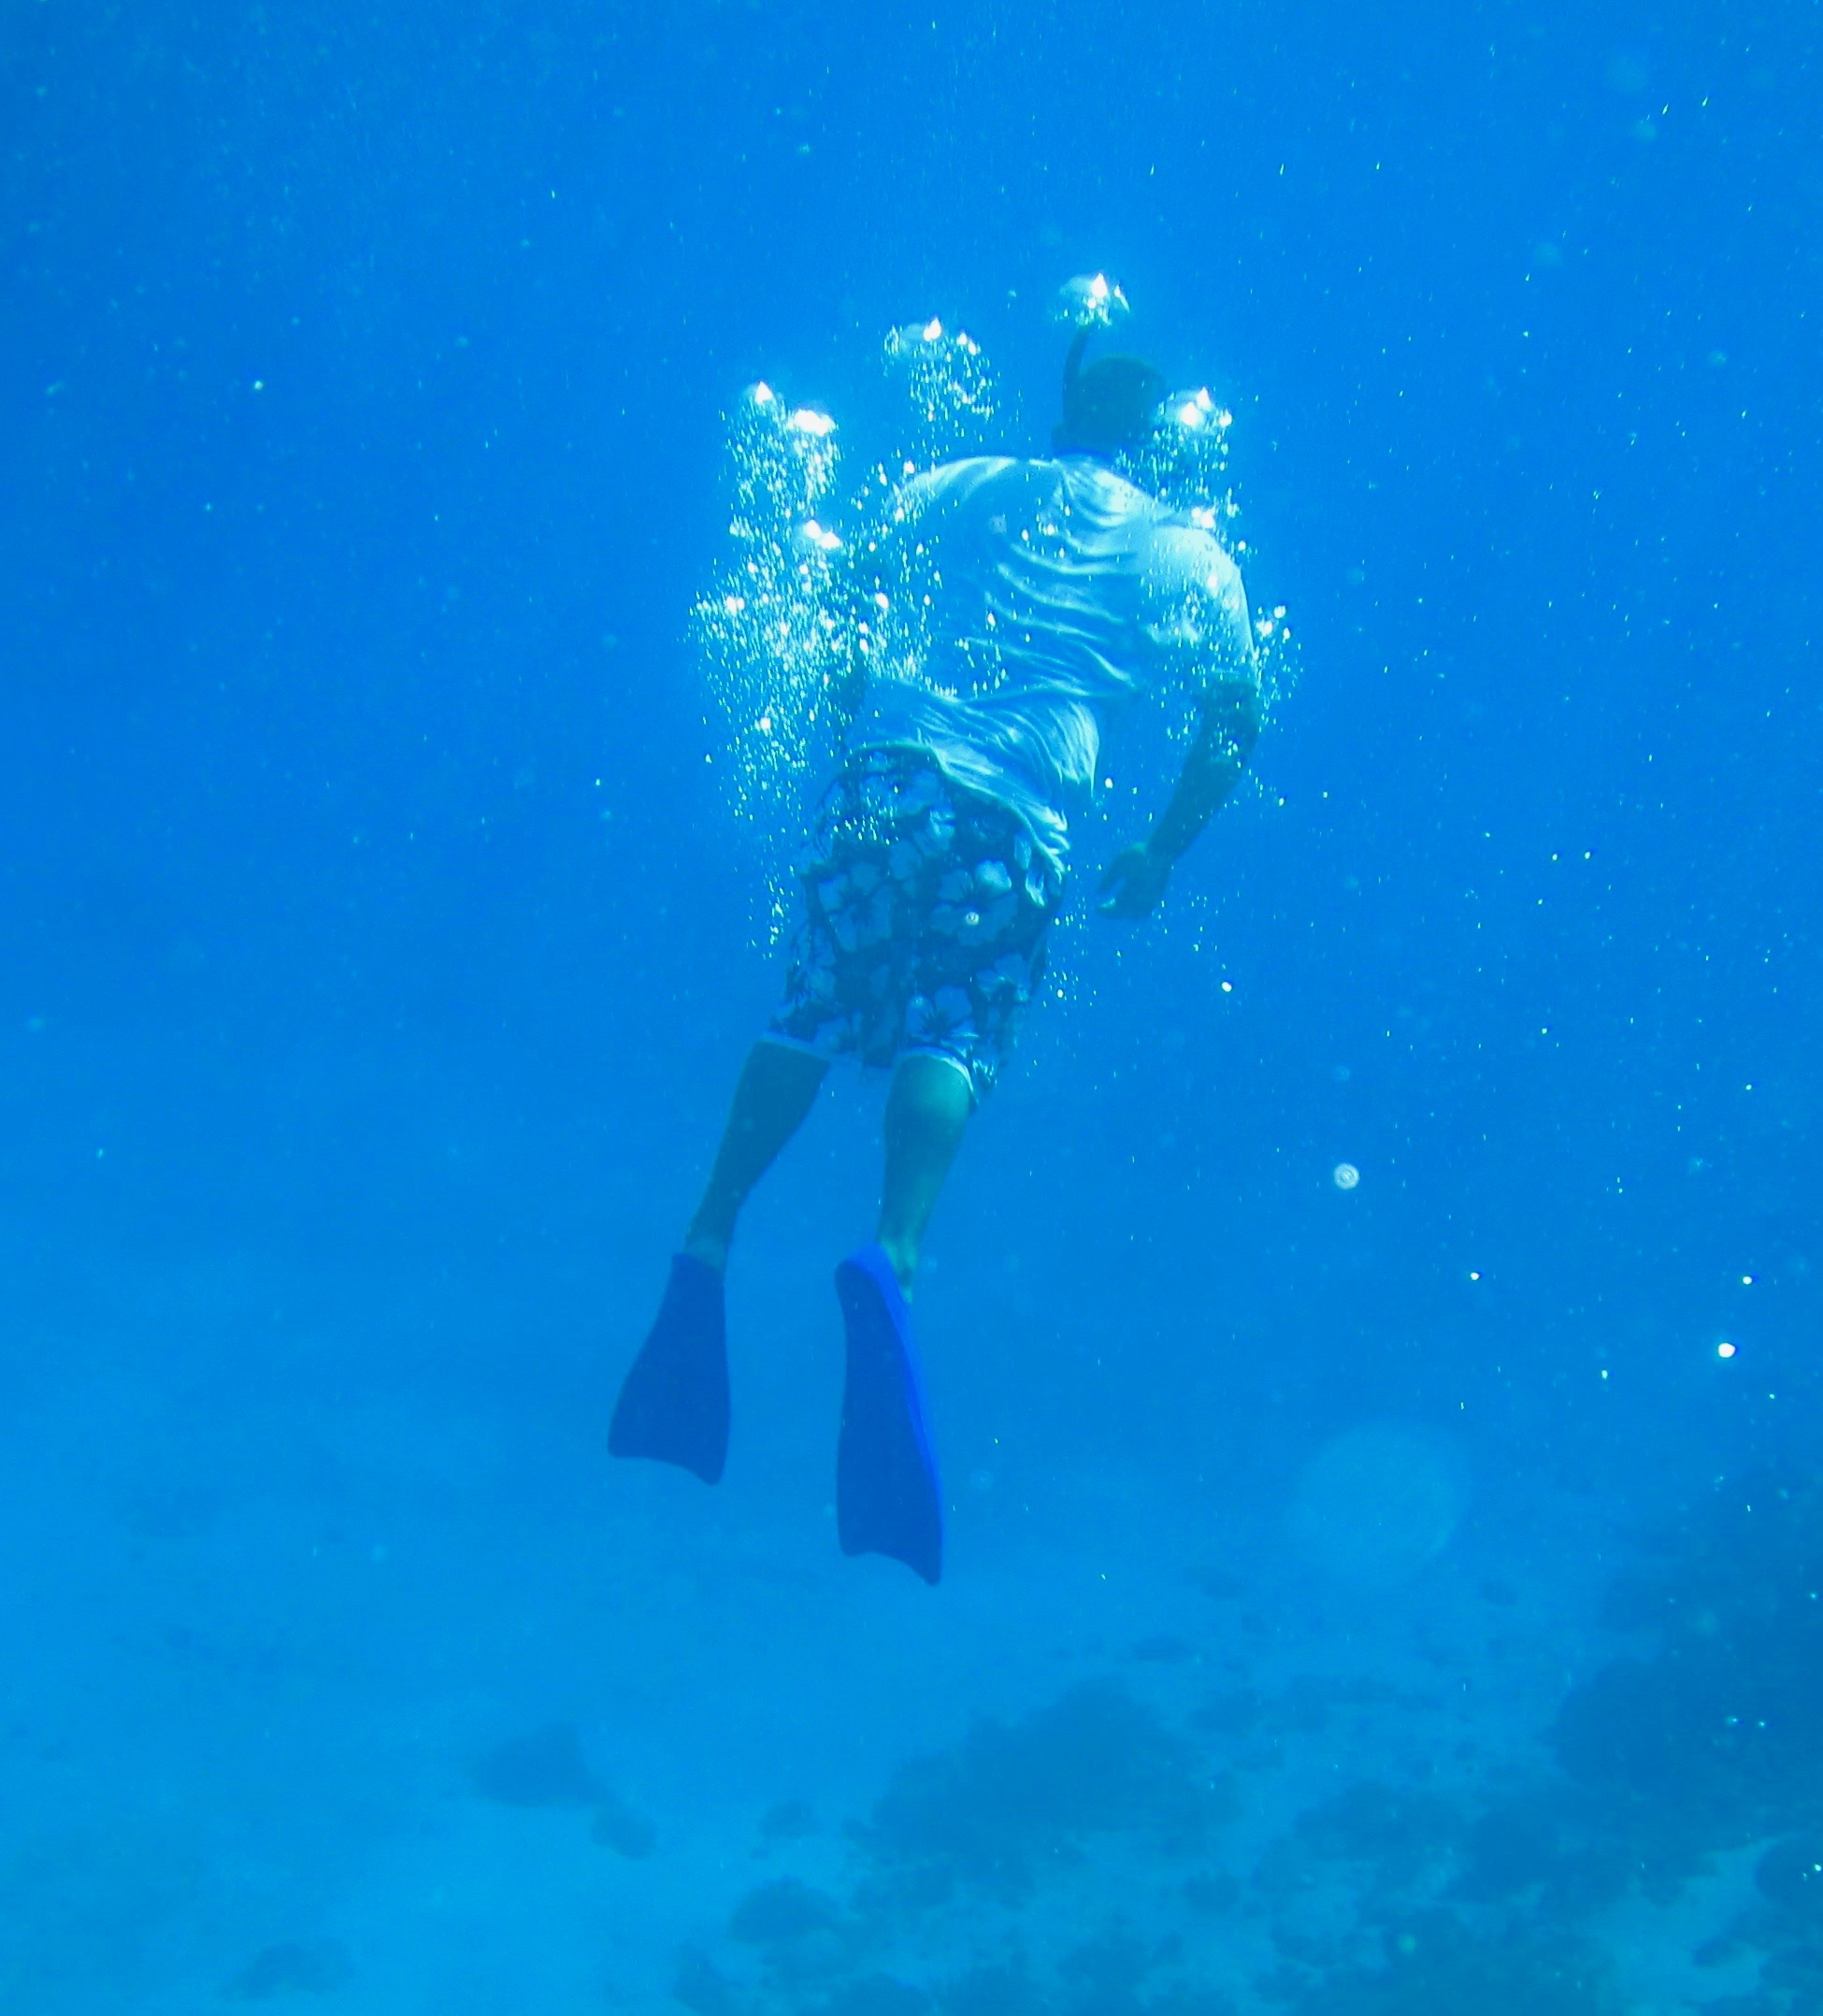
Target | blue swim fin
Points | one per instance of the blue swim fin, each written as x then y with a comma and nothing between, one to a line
888,1498
674,1402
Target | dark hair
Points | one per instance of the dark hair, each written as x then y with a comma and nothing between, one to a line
1107,407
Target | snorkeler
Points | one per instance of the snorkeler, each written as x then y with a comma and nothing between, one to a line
1060,590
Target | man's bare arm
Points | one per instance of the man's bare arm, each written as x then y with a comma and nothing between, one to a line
1135,879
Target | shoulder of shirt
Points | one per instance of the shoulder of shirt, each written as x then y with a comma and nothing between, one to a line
1077,481
961,478
1114,497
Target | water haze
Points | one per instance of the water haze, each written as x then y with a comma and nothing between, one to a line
1360,1597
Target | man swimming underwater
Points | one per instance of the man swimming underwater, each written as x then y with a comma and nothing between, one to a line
1061,591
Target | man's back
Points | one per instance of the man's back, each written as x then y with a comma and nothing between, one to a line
1019,604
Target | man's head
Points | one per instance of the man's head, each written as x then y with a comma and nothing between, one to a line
1107,407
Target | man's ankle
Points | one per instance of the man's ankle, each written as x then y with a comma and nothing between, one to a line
708,1248
902,1255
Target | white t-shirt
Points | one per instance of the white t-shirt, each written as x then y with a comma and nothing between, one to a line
1018,604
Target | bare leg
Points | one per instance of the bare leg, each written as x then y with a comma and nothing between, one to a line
775,1088
926,1111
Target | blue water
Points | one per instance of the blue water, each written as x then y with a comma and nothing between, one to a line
1373,1602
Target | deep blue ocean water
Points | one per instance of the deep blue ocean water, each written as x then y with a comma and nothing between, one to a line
1383,1601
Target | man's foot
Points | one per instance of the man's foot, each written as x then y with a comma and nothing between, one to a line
673,1405
888,1498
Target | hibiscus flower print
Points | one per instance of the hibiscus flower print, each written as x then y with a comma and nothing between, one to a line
1008,982
983,924
946,1017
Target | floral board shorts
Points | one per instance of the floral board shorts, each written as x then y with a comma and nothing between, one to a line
926,907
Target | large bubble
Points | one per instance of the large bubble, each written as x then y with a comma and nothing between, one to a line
1377,1504
1184,459
1090,301
775,643
788,625
949,390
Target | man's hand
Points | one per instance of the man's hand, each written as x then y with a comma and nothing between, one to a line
1132,882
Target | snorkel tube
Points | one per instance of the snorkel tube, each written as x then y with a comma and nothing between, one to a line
1107,406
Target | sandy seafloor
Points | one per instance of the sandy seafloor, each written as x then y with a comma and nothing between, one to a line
278,1615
